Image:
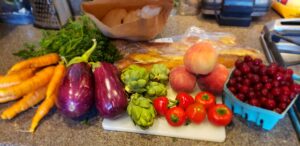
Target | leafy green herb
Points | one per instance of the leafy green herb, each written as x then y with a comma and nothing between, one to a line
73,40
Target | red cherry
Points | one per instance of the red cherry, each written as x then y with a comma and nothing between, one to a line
278,76
245,68
241,97
232,82
238,63
270,104
289,71
262,70
264,92
278,110
257,61
283,98
237,73
263,99
258,86
232,89
268,86
275,83
276,91
251,94
247,82
282,106
248,58
265,79
244,89
254,102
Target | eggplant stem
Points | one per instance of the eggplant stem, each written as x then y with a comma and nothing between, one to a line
85,57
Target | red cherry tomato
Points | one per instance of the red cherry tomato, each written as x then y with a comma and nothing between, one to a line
205,98
196,113
184,100
161,105
219,115
176,116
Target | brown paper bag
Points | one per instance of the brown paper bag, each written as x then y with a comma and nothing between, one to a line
141,29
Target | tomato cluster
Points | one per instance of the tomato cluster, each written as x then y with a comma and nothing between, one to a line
187,109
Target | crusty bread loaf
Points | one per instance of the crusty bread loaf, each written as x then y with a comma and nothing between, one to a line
132,15
114,17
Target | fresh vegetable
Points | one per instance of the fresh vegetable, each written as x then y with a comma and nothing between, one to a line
219,115
196,113
181,80
35,62
39,80
16,78
269,87
184,100
135,79
76,94
159,73
54,84
111,98
29,100
161,105
73,40
201,58
141,111
155,89
51,95
42,111
207,99
176,116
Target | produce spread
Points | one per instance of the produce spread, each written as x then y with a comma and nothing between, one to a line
77,68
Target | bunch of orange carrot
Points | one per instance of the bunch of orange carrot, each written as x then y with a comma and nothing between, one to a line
30,82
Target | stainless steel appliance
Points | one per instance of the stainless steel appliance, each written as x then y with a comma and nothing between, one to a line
235,12
281,44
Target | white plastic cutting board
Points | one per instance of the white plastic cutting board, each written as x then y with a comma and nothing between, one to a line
204,131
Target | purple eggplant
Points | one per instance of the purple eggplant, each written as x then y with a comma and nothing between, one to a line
111,98
76,94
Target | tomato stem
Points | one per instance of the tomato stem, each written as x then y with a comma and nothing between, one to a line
205,97
174,118
221,111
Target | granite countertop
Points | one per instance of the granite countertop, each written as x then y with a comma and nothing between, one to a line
56,130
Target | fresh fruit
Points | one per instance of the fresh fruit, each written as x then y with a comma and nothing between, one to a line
271,87
219,115
181,80
215,80
206,99
161,105
201,58
184,100
196,113
176,116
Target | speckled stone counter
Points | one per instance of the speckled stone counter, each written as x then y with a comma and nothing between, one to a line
56,130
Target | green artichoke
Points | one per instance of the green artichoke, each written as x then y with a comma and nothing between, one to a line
141,111
155,89
135,79
159,73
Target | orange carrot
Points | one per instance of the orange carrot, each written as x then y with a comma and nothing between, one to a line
35,62
16,78
56,79
51,94
42,111
25,103
40,79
